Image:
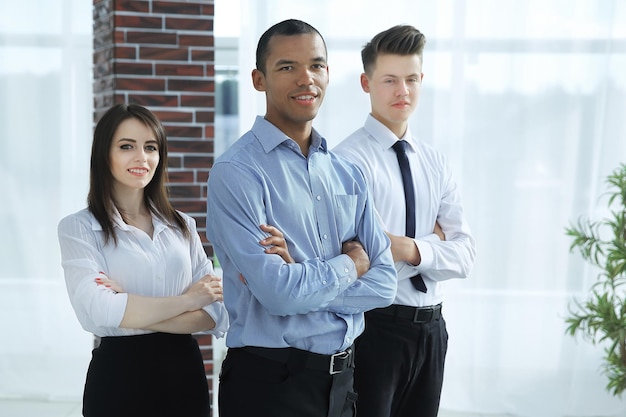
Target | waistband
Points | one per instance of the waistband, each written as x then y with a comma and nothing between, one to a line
406,313
333,364
146,340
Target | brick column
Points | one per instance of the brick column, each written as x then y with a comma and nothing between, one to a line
160,54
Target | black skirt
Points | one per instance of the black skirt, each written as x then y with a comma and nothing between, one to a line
156,374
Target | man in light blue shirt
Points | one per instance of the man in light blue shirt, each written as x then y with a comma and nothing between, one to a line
292,324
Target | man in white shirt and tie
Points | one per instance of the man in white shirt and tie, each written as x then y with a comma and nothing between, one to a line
399,359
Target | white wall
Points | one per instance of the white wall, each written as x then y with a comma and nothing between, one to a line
527,98
45,135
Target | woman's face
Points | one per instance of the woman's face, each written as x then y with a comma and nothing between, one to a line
134,155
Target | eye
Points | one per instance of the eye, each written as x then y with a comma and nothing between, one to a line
285,68
126,146
152,148
319,66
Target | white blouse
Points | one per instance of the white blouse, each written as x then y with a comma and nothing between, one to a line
164,265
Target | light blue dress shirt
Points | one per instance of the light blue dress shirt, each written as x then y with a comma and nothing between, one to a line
319,202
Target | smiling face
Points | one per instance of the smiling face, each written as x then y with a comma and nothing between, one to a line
294,80
394,86
134,156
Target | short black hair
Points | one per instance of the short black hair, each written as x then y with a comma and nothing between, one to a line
287,27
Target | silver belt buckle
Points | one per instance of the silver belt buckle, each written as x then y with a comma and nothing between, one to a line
340,355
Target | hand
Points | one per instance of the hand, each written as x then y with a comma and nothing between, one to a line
277,243
277,246
355,251
404,249
109,283
205,291
437,230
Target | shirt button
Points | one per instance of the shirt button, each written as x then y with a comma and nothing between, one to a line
346,270
325,236
324,282
348,339
318,198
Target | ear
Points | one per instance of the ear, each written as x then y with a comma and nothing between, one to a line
258,80
365,83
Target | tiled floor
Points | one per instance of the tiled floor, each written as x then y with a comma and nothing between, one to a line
23,408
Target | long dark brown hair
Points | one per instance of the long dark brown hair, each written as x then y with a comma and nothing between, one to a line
100,197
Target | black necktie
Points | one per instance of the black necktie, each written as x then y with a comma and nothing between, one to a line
409,202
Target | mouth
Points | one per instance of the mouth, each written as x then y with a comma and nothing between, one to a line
305,98
138,171
401,104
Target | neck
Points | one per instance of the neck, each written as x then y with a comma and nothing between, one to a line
299,132
130,204
397,128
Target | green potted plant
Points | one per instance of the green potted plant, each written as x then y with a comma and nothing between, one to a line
601,317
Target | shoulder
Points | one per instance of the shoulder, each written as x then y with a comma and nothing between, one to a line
359,146
83,217
347,166
245,155
189,221
186,217
429,154
354,142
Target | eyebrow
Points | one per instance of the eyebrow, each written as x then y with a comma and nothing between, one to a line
135,140
401,76
291,62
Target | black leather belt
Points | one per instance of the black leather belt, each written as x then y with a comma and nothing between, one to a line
412,314
333,364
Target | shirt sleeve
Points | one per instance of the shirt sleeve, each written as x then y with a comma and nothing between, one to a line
201,266
95,305
377,287
235,211
453,257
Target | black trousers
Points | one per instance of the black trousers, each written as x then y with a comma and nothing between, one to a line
148,375
399,367
255,386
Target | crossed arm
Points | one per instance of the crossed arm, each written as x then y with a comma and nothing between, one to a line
184,313
403,248
175,314
278,245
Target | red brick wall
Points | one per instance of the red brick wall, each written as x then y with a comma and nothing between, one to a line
160,54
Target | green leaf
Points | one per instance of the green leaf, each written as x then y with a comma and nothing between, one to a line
601,317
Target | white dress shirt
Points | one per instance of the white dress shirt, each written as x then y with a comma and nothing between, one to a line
437,200
164,265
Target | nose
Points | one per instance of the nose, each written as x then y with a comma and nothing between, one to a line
141,156
305,77
403,89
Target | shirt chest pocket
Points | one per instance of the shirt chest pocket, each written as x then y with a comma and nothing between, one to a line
347,216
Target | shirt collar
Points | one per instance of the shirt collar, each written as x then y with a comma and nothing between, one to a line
118,222
270,137
385,137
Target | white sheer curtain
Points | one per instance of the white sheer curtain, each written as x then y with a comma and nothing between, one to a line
527,98
45,137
